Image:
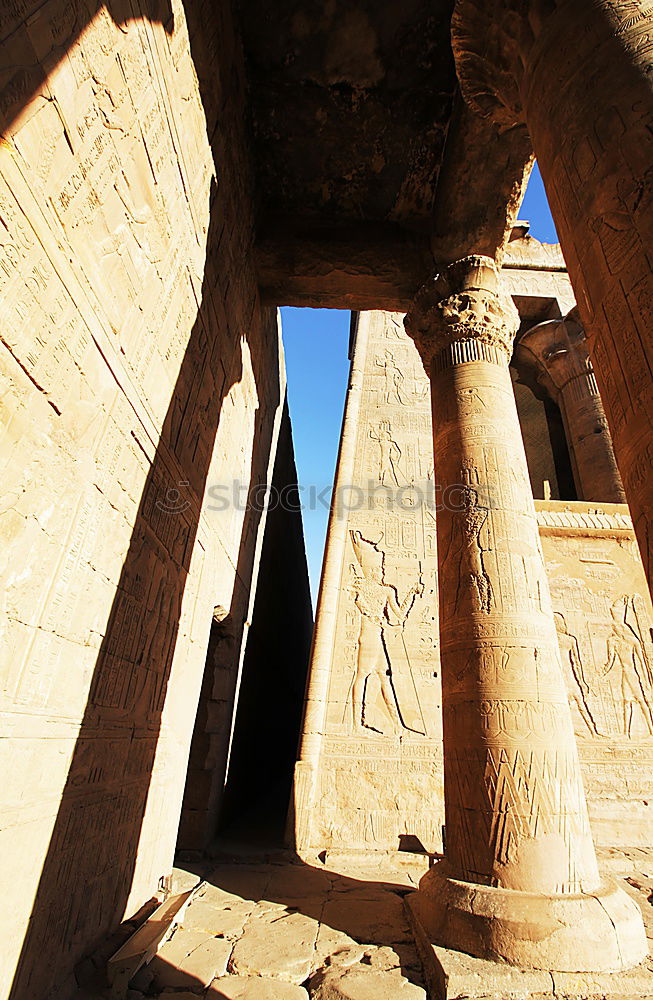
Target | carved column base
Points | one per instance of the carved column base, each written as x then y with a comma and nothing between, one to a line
594,932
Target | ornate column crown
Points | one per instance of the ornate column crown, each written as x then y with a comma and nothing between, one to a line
559,347
460,315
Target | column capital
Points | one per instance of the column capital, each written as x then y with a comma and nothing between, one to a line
560,349
461,315
490,40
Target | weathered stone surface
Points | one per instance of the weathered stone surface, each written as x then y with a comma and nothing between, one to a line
349,108
363,983
227,920
244,882
254,988
372,921
276,946
355,267
193,961
298,882
334,947
473,152
454,975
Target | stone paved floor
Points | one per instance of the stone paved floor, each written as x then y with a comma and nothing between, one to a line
280,930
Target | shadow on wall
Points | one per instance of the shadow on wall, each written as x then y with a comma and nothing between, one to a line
275,668
29,54
87,873
271,690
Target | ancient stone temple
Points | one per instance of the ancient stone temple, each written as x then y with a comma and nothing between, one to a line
449,792
372,746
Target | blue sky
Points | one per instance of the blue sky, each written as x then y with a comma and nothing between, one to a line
315,343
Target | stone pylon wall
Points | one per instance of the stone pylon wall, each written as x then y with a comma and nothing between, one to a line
370,766
603,617
138,372
375,775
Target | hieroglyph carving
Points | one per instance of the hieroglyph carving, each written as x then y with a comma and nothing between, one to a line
377,774
380,614
389,454
626,657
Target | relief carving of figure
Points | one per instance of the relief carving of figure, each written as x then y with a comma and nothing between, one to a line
471,520
578,689
380,612
396,387
627,657
390,453
392,378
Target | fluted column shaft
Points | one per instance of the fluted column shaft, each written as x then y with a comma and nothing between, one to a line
577,73
517,832
515,807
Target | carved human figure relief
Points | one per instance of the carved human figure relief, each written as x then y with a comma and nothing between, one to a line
393,378
397,388
572,665
467,544
626,658
380,614
390,454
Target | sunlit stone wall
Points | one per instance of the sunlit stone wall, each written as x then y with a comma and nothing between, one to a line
138,370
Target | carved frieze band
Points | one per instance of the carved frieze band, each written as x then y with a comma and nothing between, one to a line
594,519
462,351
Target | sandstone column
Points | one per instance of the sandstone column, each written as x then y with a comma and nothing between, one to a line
577,73
558,349
520,880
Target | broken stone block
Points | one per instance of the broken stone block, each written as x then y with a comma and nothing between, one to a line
144,943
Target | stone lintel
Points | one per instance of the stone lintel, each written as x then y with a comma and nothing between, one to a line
361,267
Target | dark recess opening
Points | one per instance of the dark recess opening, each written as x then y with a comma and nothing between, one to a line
271,698
545,440
560,449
